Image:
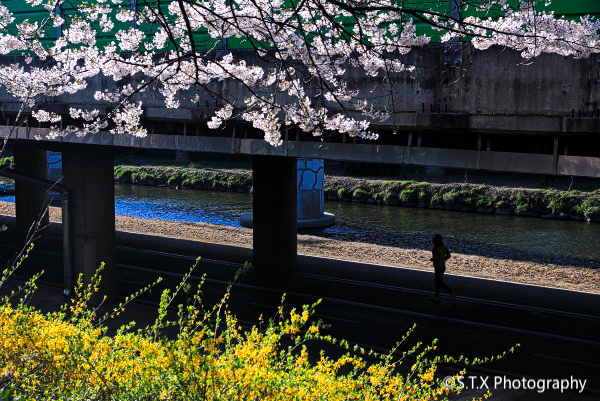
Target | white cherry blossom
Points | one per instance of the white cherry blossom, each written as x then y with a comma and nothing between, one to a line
295,73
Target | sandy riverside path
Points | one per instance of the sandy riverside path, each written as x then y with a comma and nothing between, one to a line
580,278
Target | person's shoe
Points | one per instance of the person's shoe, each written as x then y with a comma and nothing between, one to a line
435,298
453,295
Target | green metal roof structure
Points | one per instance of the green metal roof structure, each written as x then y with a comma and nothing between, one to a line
570,9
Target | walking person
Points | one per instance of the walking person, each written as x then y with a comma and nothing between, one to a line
439,258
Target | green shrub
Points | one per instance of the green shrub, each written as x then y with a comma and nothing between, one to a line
174,181
219,185
123,174
590,207
437,199
330,193
344,194
521,201
387,197
135,178
531,202
460,198
484,202
564,202
409,196
425,194
502,204
7,162
360,195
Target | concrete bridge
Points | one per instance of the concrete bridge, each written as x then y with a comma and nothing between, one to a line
485,110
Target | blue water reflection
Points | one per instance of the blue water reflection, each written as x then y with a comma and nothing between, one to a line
542,236
181,205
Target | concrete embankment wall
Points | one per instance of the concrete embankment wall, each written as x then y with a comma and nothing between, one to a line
547,203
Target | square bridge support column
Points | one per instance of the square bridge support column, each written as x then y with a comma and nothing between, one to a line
274,206
88,176
31,202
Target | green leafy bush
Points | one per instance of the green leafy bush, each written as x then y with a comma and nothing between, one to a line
330,193
460,198
485,202
344,194
561,202
122,173
7,162
409,196
437,199
174,181
425,194
360,195
521,203
590,208
387,197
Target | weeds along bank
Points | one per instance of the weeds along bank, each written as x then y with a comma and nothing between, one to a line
549,203
185,177
468,198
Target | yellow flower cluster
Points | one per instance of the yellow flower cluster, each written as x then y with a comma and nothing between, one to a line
46,356
67,355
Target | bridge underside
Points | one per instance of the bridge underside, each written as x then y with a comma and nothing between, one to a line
550,154
88,178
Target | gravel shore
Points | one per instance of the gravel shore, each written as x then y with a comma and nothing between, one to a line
387,248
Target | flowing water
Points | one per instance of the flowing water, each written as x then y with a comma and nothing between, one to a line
544,236
540,236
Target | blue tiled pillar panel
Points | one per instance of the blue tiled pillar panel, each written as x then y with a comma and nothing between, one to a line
311,201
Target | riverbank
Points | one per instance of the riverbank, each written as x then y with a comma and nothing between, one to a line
479,198
387,248
583,205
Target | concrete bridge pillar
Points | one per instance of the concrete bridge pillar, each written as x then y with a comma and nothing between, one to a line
88,176
31,202
274,212
311,197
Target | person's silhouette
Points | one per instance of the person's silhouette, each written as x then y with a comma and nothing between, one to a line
439,258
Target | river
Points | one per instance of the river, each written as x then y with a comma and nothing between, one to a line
522,234
543,236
